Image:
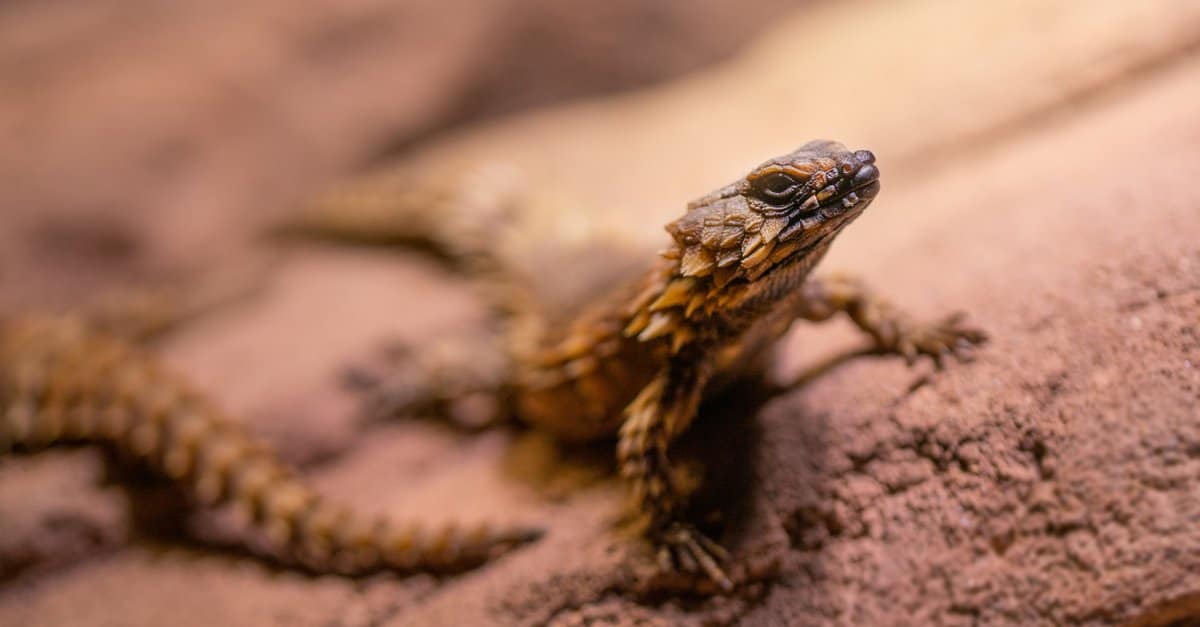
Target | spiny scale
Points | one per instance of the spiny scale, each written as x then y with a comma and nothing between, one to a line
60,381
677,292
728,246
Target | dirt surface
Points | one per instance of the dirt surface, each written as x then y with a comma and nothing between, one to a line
1038,171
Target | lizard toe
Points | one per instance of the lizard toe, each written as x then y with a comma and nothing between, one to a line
692,553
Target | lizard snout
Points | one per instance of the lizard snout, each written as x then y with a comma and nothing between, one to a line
865,180
866,175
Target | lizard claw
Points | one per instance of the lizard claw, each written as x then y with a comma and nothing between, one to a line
684,549
940,341
447,380
908,350
387,394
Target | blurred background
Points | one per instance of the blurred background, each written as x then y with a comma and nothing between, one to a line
1038,162
140,136
141,139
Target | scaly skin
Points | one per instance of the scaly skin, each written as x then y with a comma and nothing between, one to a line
633,359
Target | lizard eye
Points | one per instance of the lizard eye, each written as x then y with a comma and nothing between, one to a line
778,188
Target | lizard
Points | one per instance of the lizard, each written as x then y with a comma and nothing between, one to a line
631,360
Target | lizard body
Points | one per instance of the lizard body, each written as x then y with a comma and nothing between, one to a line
631,360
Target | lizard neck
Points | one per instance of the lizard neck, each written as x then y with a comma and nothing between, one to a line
687,310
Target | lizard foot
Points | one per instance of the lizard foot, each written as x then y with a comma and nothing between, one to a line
684,550
445,381
948,337
681,572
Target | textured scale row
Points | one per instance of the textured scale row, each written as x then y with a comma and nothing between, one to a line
711,252
61,381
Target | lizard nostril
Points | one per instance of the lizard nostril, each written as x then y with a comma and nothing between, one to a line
865,156
865,175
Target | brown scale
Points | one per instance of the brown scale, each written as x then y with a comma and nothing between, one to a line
62,381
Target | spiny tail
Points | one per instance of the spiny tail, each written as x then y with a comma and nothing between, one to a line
62,381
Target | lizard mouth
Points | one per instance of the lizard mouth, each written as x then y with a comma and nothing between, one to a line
855,200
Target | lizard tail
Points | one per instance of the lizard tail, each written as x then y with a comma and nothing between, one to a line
62,381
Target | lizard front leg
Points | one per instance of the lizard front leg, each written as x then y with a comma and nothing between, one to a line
658,415
892,329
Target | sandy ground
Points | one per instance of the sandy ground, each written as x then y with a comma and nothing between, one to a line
1038,167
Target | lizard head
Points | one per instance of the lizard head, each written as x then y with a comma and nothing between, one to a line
776,221
781,210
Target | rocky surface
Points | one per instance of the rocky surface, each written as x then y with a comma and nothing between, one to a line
1038,167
